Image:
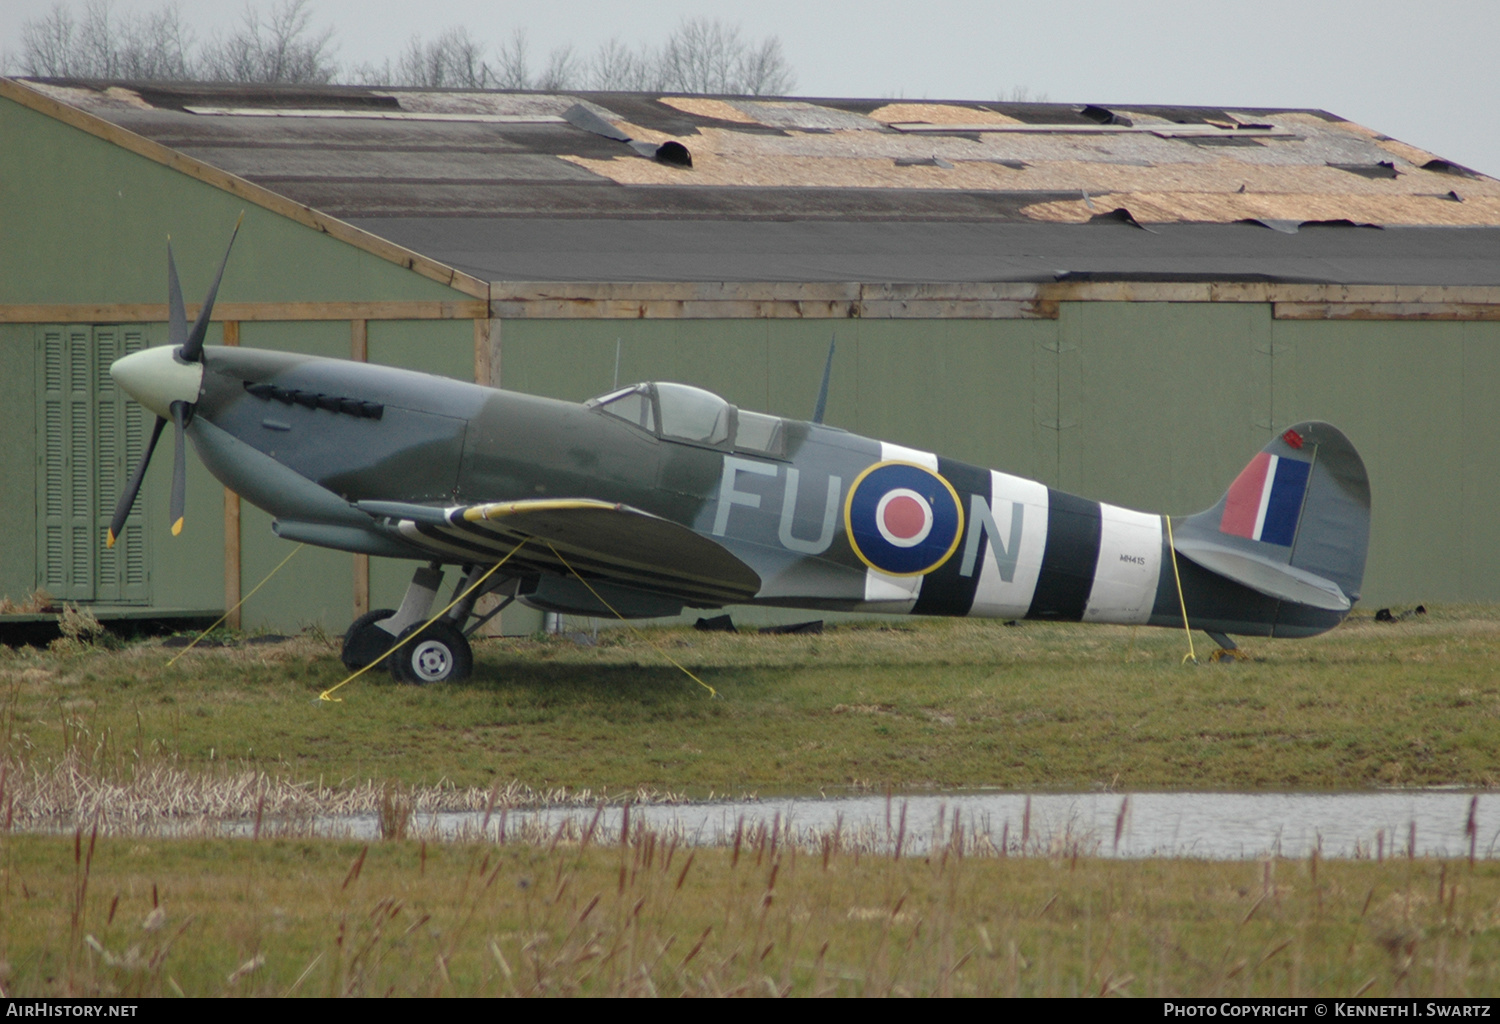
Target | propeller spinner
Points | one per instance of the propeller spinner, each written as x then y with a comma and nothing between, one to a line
167,380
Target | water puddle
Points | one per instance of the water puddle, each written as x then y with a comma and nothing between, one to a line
1215,826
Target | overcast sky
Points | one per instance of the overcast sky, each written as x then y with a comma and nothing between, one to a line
1425,73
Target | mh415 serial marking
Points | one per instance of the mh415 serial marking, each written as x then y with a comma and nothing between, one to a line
662,496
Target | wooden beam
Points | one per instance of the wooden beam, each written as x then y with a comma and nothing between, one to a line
72,116
939,300
1460,311
487,352
359,341
835,292
231,558
361,585
676,309
482,351
156,312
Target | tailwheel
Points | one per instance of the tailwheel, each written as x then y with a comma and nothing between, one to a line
365,642
438,653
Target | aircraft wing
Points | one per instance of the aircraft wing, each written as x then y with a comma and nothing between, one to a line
597,539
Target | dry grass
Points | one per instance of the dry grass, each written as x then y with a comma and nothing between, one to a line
82,915
162,798
35,603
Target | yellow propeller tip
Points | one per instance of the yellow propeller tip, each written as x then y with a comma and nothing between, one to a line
177,527
109,540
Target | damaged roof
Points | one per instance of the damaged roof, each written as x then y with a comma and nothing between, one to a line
615,186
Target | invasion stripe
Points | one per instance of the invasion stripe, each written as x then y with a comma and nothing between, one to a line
1069,559
944,591
486,547
512,534
891,592
679,584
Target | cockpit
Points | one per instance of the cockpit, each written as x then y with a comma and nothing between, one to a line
680,412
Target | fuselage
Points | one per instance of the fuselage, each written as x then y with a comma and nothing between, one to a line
826,518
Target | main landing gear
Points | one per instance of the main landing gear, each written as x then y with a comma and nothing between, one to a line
429,652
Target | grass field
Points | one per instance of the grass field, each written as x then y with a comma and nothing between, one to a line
933,704
110,735
318,917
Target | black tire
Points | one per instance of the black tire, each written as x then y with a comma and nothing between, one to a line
364,642
437,654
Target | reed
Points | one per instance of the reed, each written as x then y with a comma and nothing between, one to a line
547,914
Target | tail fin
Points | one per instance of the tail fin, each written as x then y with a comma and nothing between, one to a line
1294,525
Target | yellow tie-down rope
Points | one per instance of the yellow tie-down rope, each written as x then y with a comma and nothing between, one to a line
326,694
711,691
236,608
1191,655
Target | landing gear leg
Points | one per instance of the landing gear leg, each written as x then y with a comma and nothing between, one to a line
1227,650
429,653
373,633
439,653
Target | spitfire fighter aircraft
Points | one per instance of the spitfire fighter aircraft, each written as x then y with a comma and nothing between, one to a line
661,496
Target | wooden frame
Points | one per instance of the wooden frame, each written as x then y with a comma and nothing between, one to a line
156,312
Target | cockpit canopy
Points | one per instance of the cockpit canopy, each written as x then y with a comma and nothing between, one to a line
681,412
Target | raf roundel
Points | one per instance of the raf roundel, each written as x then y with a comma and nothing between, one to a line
903,519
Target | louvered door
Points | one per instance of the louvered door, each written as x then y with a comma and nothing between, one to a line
90,437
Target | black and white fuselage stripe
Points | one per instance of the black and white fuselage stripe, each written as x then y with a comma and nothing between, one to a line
1029,551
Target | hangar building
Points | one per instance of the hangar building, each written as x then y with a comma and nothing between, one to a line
1122,301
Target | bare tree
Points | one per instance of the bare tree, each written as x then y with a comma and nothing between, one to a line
764,70
147,46
1021,94
156,46
513,70
703,56
564,70
700,56
279,47
47,48
616,68
454,60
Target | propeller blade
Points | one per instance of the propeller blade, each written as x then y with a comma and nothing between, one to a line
176,315
192,349
127,496
179,466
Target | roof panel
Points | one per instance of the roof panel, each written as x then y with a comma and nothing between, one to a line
798,188
545,249
379,164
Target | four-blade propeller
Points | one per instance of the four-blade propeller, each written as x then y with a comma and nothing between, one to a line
186,347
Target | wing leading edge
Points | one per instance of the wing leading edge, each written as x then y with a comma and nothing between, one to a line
599,540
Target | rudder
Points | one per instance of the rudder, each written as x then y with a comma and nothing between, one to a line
1294,525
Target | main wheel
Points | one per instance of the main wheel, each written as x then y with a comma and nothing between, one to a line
437,654
365,642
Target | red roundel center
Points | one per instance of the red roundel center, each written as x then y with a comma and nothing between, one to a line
905,516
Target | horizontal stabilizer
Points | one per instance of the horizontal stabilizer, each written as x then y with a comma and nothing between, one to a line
1274,579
